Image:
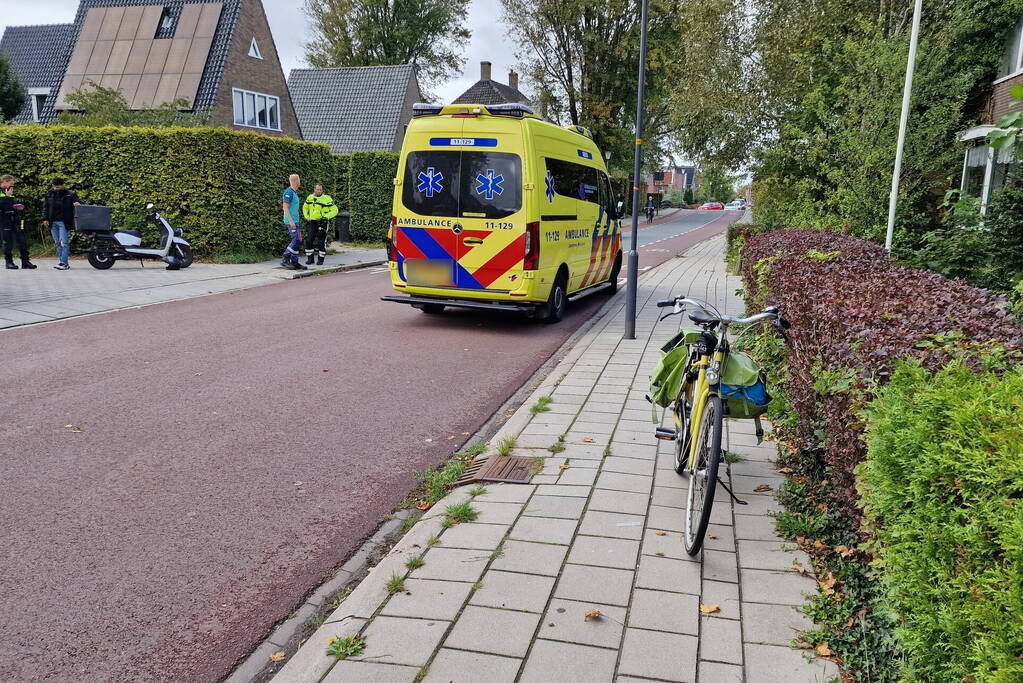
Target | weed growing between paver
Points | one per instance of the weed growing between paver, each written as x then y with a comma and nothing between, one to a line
558,446
854,315
347,646
415,562
542,405
395,584
435,484
506,445
461,512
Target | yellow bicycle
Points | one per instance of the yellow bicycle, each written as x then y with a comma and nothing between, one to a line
703,401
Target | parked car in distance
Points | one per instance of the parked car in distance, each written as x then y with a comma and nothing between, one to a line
666,204
735,205
712,206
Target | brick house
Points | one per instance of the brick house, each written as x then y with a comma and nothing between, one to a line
674,178
218,56
984,168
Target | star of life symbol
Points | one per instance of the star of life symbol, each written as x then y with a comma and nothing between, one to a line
489,184
549,180
513,277
430,182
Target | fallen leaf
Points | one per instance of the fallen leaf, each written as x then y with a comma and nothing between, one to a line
592,614
827,584
277,656
801,540
451,437
823,650
762,488
424,505
786,470
849,622
326,370
661,533
797,567
712,537
820,545
845,551
565,467
659,554
587,439
73,429
712,608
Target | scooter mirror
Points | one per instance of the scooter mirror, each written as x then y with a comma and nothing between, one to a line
149,206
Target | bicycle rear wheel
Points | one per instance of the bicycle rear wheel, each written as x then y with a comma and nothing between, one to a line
703,478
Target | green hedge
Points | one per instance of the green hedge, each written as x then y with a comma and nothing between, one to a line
222,186
370,191
943,487
339,190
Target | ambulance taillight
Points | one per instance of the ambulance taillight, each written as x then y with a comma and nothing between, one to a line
531,261
392,240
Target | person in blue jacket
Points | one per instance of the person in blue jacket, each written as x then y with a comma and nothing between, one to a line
292,206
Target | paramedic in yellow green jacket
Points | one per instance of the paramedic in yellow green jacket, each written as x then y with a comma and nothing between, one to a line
318,209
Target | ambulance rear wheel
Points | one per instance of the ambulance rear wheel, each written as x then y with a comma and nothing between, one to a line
612,280
554,310
100,261
432,309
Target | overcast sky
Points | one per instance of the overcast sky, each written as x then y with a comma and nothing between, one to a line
288,23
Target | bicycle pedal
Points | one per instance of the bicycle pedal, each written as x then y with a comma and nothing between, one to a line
665,434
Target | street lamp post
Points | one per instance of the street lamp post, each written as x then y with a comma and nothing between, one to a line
633,274
907,91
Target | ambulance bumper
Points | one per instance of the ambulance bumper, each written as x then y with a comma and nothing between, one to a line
459,303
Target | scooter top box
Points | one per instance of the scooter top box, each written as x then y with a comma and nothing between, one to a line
92,218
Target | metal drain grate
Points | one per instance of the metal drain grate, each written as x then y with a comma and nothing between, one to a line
510,469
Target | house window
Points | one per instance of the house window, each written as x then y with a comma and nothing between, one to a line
254,50
976,168
256,110
38,99
985,172
1012,60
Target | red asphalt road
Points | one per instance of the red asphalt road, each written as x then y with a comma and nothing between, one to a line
176,478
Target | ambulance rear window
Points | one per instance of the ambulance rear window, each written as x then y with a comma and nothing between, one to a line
456,184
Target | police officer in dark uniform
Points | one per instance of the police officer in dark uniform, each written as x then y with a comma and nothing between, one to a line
10,224
318,210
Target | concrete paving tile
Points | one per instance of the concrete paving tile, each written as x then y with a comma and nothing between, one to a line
497,631
451,564
565,390
544,479
594,407
348,670
531,558
544,530
565,620
768,555
724,595
555,506
618,501
624,482
568,663
587,438
557,490
605,397
755,528
541,429
427,599
578,476
505,493
671,544
653,654
535,440
395,640
458,666
604,552
497,513
744,485
604,428
771,663
595,584
758,505
773,624
627,449
666,518
716,672
719,565
612,524
618,463
513,591
582,451
719,537
666,574
666,496
661,611
786,588
667,478
636,439
720,640
474,535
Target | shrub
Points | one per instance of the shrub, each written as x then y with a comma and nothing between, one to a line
339,191
943,489
371,190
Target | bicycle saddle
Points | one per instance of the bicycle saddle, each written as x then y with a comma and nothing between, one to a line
702,317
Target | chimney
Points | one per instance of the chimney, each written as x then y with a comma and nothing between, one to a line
513,80
484,71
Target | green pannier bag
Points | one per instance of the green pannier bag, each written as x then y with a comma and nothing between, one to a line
744,388
666,377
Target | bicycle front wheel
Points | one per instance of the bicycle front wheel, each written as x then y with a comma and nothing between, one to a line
703,477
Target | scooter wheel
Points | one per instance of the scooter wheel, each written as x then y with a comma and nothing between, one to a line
100,261
184,254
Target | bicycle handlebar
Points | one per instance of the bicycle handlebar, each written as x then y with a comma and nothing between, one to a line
770,313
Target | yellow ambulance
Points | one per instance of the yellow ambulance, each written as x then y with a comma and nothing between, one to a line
495,208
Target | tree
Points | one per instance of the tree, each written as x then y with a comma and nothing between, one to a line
99,106
427,33
583,57
12,93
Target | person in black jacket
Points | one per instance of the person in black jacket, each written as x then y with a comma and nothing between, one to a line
58,215
10,224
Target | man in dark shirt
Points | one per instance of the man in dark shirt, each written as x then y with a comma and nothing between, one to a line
58,215
10,224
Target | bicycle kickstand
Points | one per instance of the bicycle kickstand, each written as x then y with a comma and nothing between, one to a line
727,488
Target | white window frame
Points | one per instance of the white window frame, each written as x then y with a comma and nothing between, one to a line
254,51
989,167
33,94
255,97
1018,68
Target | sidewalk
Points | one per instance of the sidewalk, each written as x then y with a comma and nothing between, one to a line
506,597
45,294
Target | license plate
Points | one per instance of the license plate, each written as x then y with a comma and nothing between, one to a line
430,272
